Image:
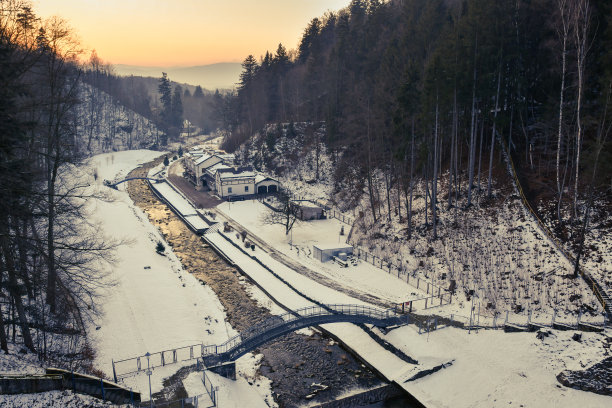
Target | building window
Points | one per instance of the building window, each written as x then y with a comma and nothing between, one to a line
229,190
246,188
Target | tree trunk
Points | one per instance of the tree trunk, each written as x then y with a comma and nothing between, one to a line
581,21
13,287
493,132
472,134
434,184
411,182
370,183
3,342
480,150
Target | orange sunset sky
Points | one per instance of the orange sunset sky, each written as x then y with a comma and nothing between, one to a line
185,32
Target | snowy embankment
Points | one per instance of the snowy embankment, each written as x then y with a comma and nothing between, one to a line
154,304
490,368
355,338
493,248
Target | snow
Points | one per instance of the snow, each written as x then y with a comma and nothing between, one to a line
489,367
154,304
492,368
108,125
116,166
354,337
20,361
51,399
363,277
17,362
174,198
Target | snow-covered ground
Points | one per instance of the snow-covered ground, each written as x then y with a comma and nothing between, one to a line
496,369
154,304
20,361
489,367
297,246
106,125
495,249
151,303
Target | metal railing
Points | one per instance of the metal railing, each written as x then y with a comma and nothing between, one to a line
265,331
309,315
129,366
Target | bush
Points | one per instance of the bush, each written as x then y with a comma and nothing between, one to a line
166,161
160,248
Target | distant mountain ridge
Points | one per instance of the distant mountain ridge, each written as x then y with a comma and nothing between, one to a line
223,75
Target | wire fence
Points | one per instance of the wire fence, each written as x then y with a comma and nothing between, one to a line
197,401
135,365
510,321
438,295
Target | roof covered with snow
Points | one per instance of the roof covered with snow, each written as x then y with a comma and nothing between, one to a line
240,172
212,170
260,177
202,158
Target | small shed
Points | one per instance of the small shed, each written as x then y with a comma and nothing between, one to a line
308,210
325,253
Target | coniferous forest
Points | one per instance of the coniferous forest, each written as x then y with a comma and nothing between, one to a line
444,89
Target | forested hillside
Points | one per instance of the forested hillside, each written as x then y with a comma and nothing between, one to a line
437,89
51,254
428,106
141,94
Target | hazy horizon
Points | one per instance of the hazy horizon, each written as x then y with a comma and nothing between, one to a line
185,33
220,75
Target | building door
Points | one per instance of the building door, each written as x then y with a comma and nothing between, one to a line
262,190
272,189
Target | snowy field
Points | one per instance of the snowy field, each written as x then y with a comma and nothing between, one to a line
154,305
150,304
494,249
496,369
363,277
19,361
489,367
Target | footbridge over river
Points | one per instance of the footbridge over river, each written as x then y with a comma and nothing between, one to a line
114,184
255,336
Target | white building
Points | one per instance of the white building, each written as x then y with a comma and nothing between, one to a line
235,182
198,163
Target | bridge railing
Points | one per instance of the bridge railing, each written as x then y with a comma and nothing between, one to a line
310,311
135,365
